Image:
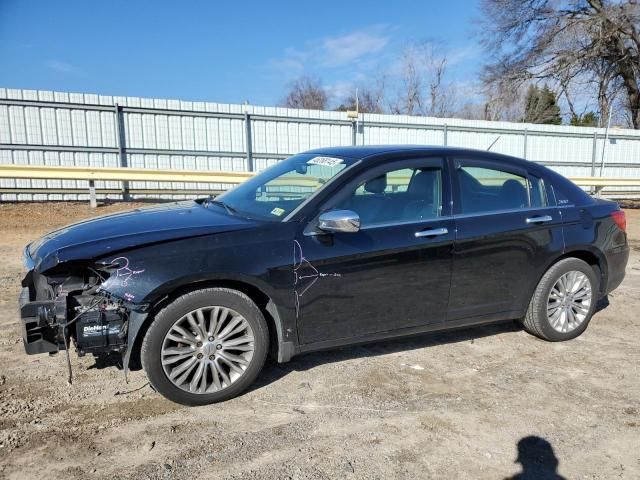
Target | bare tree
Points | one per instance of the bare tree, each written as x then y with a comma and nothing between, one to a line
503,102
423,89
566,42
439,92
306,92
369,99
409,100
471,111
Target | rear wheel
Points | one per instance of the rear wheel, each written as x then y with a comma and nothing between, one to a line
564,301
206,346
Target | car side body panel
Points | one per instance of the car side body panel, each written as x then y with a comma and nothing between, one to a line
499,259
375,280
262,260
591,229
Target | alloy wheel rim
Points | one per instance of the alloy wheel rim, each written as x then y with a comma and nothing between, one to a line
207,350
569,301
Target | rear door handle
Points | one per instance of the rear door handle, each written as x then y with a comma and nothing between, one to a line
539,219
433,232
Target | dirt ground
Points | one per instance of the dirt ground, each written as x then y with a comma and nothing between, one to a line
452,405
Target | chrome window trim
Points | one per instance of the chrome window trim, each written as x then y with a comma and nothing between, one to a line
445,217
387,224
408,222
498,212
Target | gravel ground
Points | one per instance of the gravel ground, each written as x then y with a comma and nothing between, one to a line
452,405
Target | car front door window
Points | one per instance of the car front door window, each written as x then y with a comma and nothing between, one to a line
397,196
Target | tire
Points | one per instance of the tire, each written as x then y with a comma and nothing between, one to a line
184,335
544,317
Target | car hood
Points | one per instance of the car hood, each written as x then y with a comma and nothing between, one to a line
101,236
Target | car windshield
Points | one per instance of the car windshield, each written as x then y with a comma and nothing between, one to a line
277,191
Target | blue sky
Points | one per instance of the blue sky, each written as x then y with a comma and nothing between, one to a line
224,52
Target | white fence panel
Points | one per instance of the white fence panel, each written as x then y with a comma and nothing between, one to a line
58,128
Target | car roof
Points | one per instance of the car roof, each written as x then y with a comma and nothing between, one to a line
372,151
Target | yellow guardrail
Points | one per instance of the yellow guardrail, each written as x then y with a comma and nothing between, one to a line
93,174
605,181
120,174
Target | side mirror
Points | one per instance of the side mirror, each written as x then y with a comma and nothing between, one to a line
339,221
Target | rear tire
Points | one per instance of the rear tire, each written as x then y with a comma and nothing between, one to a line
564,301
206,346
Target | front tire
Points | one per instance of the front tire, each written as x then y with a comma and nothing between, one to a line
206,346
563,302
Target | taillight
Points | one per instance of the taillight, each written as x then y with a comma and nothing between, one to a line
620,219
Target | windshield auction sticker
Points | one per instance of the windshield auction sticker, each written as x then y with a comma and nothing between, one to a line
277,211
326,161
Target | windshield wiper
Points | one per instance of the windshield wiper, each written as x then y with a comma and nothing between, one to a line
210,200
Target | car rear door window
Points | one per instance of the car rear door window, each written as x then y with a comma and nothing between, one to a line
485,189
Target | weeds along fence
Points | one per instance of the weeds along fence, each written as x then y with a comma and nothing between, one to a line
79,129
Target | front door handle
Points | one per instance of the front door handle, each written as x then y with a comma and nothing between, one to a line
433,232
539,219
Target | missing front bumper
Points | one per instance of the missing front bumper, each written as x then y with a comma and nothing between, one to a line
37,335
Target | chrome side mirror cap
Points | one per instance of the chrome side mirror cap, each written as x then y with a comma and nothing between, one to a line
339,221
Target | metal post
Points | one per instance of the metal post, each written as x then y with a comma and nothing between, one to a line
354,132
604,143
594,150
524,153
248,141
92,194
121,141
445,131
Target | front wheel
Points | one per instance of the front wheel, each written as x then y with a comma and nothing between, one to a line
206,346
564,301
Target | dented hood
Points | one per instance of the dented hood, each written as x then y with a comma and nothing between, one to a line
135,228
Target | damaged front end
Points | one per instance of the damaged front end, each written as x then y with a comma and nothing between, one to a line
69,305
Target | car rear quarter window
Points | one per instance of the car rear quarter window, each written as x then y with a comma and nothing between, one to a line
538,193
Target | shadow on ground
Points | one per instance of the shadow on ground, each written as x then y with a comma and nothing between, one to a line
538,460
274,371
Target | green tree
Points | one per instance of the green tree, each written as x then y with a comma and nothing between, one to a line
541,106
589,119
